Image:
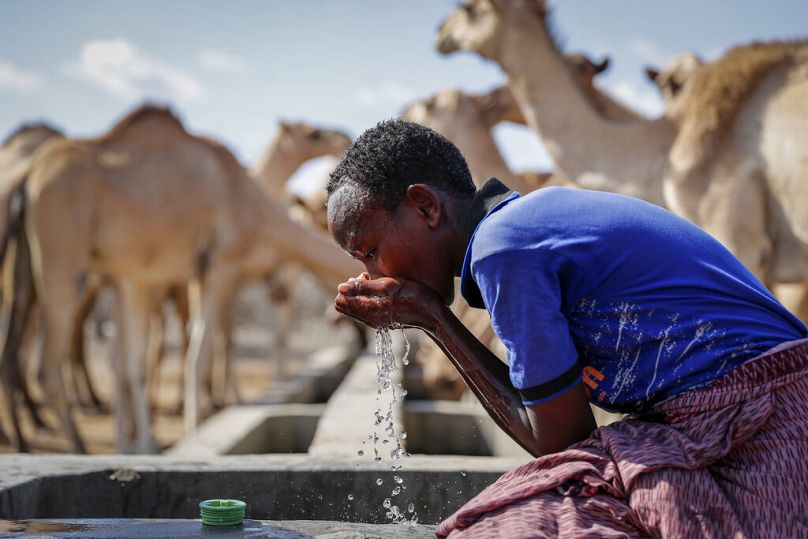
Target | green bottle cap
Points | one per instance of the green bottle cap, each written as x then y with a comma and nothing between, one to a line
222,512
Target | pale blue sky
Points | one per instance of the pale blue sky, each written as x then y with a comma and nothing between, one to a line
233,68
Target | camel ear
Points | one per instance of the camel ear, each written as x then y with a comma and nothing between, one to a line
283,125
602,66
652,74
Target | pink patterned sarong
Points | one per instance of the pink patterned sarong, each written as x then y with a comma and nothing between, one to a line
729,460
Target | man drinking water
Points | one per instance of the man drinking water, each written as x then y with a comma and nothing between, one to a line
598,298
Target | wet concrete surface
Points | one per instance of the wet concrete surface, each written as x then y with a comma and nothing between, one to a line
181,529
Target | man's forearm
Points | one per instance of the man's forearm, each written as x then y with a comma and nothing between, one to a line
486,376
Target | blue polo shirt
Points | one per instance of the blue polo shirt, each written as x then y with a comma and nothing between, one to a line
636,301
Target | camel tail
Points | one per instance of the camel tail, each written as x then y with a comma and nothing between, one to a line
14,222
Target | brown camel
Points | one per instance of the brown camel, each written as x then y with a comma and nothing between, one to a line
102,207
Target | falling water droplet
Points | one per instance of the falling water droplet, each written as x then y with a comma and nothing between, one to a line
379,481
350,497
360,453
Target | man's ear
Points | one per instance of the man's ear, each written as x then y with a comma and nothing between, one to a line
425,200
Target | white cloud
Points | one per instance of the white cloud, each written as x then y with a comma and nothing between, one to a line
385,93
16,80
221,62
649,52
121,68
641,98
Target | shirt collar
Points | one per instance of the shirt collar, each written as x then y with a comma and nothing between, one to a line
491,197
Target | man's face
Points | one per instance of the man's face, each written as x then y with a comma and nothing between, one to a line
398,244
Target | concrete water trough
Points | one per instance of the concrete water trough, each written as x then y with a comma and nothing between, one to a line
290,461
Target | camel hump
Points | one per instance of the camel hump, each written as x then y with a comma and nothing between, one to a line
39,130
148,122
718,91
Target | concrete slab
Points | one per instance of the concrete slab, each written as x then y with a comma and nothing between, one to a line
187,529
348,418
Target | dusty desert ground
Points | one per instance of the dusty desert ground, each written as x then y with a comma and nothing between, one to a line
254,354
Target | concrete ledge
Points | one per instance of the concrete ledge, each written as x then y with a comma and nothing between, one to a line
182,529
328,368
278,487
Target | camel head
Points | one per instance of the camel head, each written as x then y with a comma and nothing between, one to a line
479,25
32,134
309,142
672,80
584,69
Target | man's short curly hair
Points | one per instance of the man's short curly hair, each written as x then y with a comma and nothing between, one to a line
395,154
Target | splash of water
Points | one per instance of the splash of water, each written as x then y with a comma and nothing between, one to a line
386,365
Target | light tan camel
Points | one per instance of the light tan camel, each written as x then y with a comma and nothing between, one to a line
726,159
293,145
676,84
514,34
106,207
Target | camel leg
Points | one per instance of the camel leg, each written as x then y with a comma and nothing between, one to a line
180,297
124,417
155,356
19,314
11,374
225,351
87,396
138,304
219,287
61,309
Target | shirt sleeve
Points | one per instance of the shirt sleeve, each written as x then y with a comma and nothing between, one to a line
521,290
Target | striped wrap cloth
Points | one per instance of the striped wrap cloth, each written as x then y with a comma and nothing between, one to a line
728,460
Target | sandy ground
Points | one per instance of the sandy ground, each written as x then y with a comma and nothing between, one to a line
254,356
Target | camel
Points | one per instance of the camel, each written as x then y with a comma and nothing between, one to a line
102,207
293,145
555,106
676,82
755,89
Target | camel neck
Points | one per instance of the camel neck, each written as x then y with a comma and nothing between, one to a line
478,146
274,168
584,145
